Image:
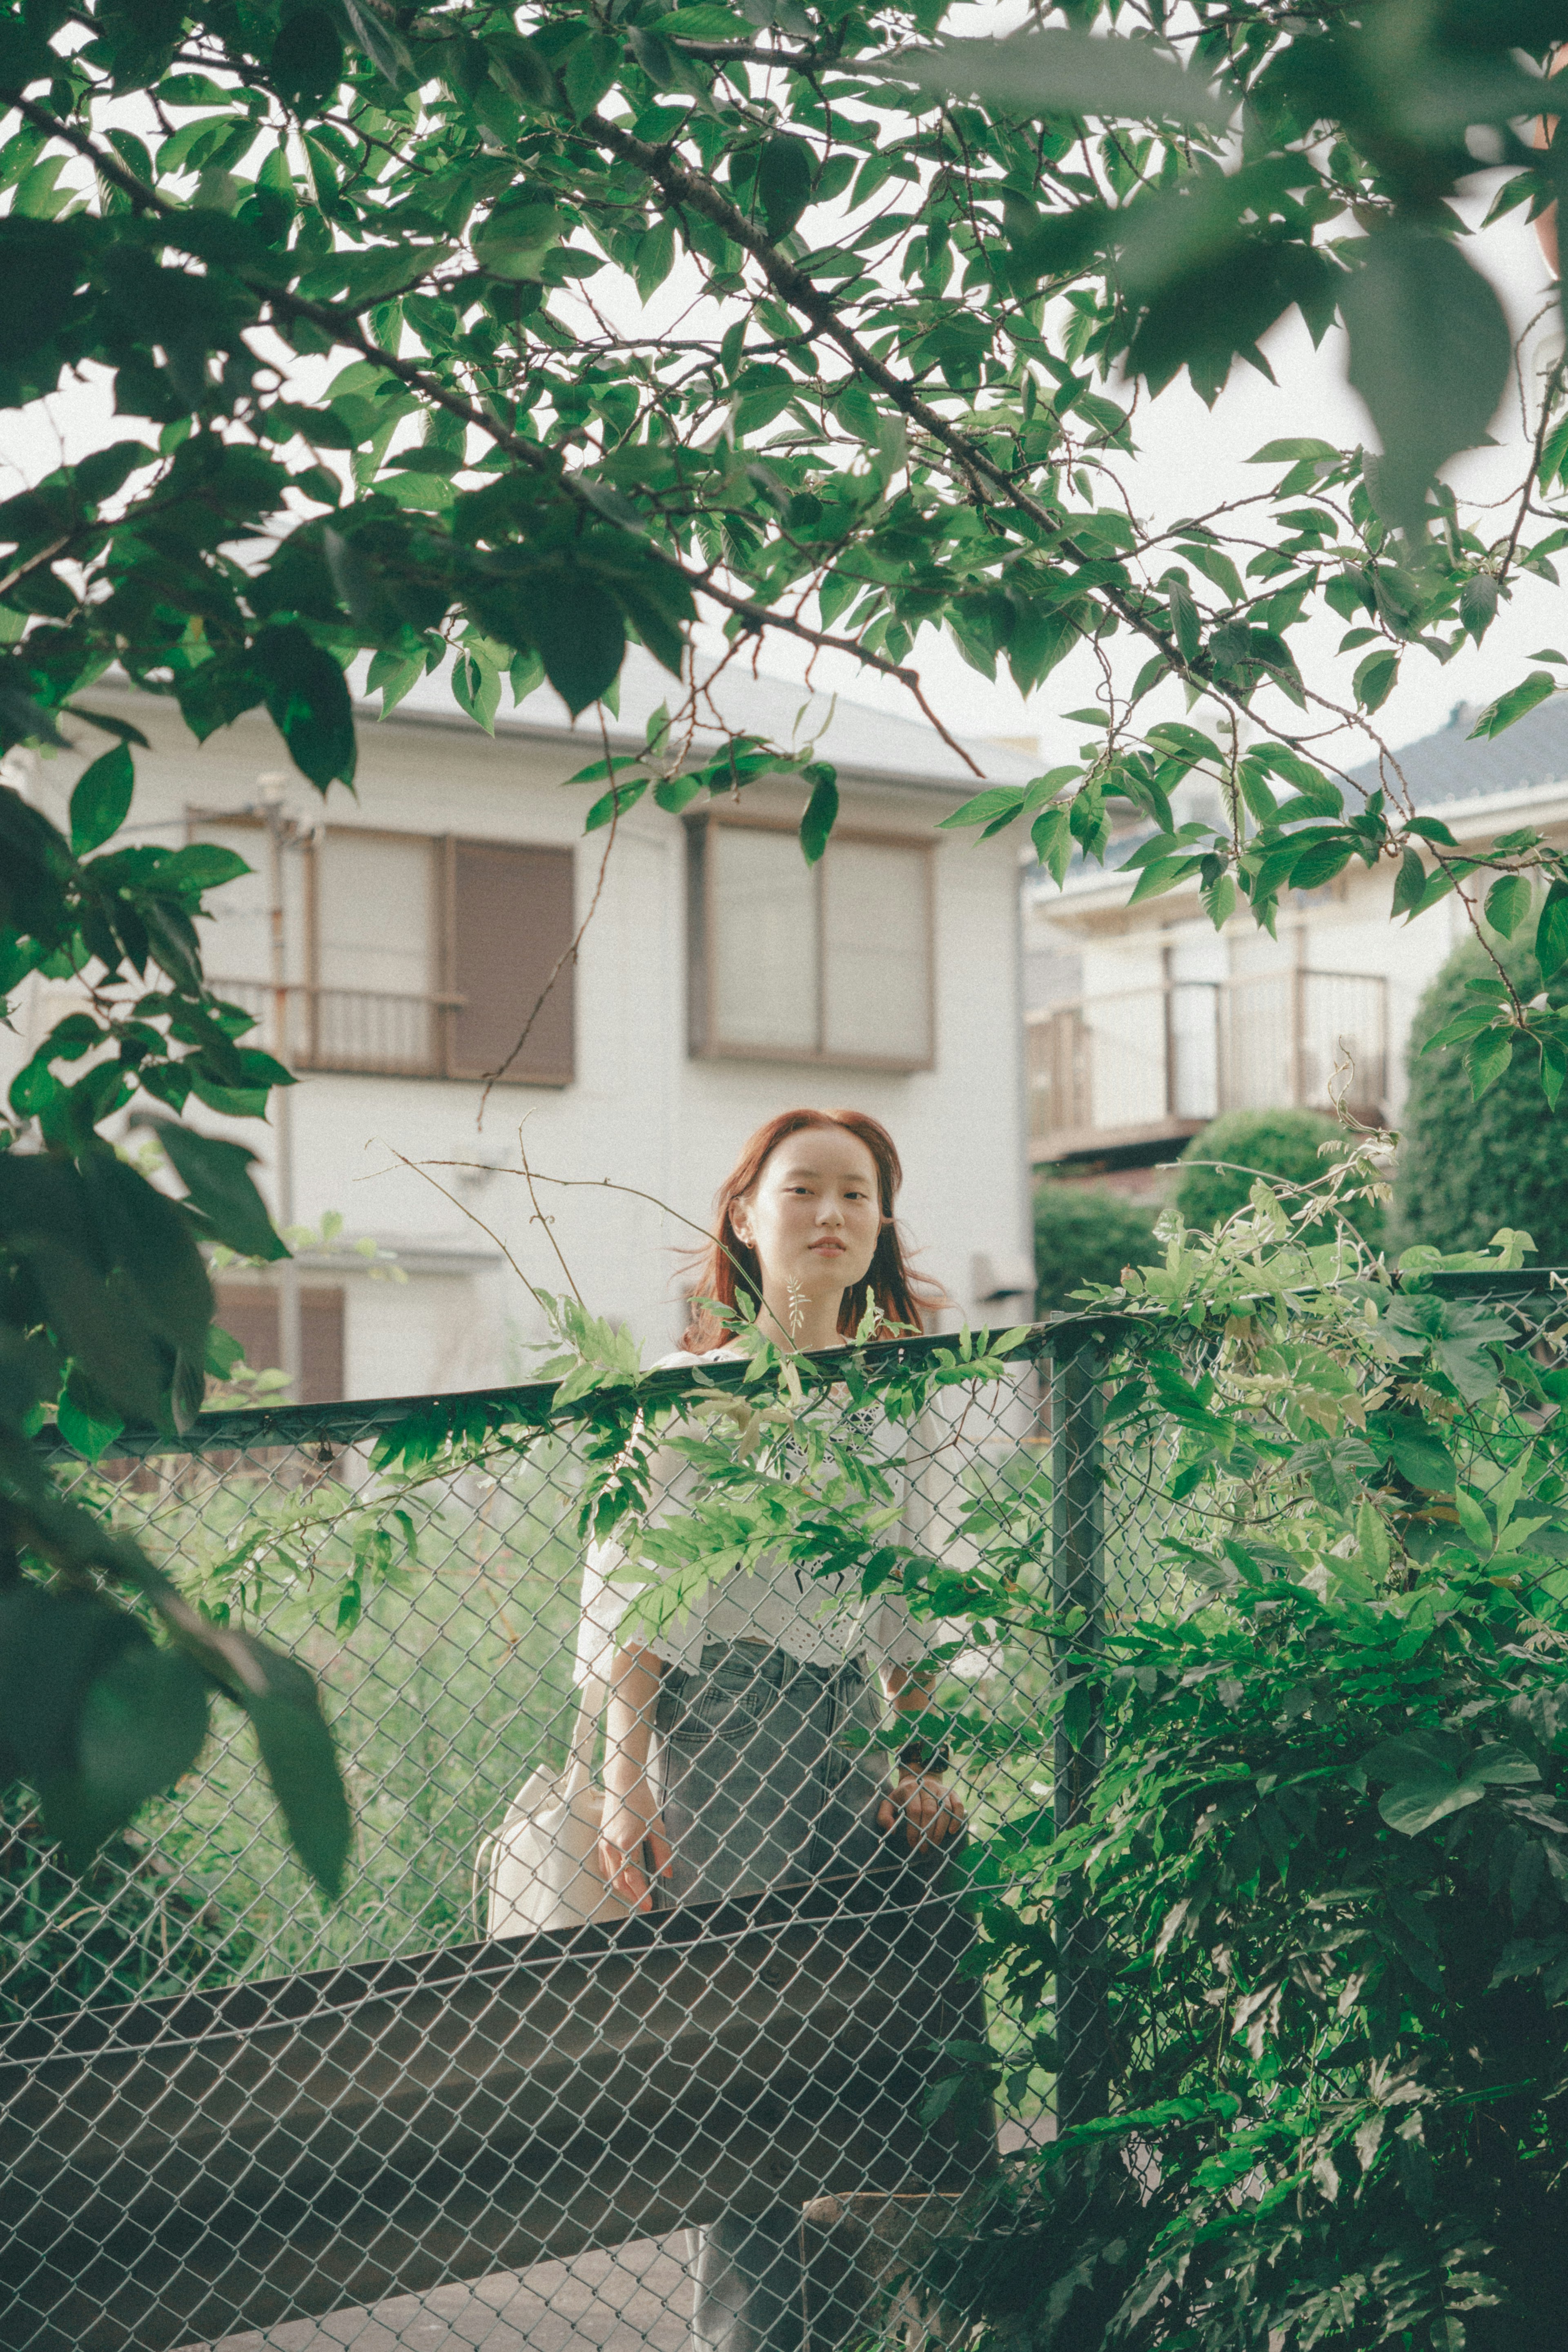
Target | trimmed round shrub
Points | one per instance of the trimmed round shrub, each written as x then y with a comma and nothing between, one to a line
1081,1236
1283,1144
1467,1168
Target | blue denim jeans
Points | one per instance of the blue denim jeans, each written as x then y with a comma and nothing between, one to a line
760,1787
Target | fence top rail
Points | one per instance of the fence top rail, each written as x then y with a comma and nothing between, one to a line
295,1426
889,1894
254,1429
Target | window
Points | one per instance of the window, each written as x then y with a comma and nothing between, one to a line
402,955
830,963
248,1311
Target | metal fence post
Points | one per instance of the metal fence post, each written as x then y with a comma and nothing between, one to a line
1077,1581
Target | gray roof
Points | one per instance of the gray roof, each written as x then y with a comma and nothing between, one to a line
857,738
1448,766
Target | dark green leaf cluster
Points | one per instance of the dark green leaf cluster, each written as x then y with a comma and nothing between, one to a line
1085,1235
1313,1900
1221,1165
1467,1167
146,1931
106,1316
1330,1857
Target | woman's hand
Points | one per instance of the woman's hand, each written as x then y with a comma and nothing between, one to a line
928,1808
631,1835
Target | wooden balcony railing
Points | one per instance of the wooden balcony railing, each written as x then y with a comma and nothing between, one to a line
1147,1064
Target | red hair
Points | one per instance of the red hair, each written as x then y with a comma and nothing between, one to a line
731,1265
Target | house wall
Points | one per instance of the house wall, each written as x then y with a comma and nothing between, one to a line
641,1112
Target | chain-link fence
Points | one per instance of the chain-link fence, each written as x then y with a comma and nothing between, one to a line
232,2109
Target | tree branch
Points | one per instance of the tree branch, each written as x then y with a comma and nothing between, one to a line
345,326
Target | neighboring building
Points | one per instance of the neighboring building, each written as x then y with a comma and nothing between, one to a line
1143,1023
719,978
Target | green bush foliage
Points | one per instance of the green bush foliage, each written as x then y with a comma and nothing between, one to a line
1315,2077
1467,1167
1083,1236
133,1926
1277,1144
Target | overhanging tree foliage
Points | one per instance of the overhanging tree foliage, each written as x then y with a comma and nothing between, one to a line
365,278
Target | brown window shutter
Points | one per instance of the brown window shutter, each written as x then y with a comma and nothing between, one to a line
512,917
322,1345
249,1311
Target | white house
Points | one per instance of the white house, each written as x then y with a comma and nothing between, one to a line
1142,1021
719,979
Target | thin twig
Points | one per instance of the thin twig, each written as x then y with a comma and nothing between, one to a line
540,1218
568,953
344,324
473,1218
596,1184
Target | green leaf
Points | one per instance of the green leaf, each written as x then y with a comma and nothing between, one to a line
1476,1527
147,1236
784,173
308,695
1463,1027
1477,604
1416,1449
84,1431
387,52
1216,566
521,230
201,865
1508,903
1501,1767
214,1174
306,58
1163,873
704,21
1551,932
1375,678
143,1726
580,637
997,802
1429,353
821,810
1186,622
1412,1806
1319,864
101,799
1513,706
102,1331
614,803
476,687
296,1750
1052,833
53,1648
1410,884
1488,1058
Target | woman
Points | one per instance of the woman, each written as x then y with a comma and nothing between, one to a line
727,1765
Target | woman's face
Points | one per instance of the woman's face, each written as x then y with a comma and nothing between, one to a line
812,1216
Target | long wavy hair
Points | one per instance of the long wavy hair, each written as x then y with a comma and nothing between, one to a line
730,1267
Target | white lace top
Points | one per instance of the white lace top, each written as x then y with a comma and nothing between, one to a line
781,1603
